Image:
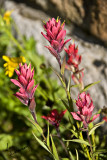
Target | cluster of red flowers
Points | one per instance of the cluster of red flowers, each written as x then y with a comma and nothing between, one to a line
55,34
54,118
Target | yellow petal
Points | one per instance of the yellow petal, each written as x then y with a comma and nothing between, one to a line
14,65
23,59
6,58
8,13
5,64
6,73
9,68
11,74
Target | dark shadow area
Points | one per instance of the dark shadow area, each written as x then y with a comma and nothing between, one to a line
85,35
100,63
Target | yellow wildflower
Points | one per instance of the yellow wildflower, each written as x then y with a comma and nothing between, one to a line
6,16
12,63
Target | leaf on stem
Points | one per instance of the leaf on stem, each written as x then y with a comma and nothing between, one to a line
63,66
74,133
48,141
89,85
71,155
77,156
36,125
95,127
60,78
54,150
79,141
65,103
100,151
69,83
41,143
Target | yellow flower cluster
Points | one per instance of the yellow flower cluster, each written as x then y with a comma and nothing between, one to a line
12,63
6,16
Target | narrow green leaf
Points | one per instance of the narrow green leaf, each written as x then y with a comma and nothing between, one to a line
54,149
74,133
79,141
95,127
77,154
63,65
100,151
36,125
75,86
41,143
65,103
69,83
65,159
48,141
60,78
71,156
89,85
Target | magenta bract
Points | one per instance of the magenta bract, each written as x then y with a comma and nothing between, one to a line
85,108
54,118
26,84
55,34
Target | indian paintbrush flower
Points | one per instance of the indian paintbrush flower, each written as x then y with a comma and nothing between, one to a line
54,118
73,61
12,63
105,119
73,58
26,84
85,108
55,34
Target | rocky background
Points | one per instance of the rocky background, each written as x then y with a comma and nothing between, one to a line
86,24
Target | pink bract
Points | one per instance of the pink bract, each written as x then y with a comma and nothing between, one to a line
85,108
26,84
55,34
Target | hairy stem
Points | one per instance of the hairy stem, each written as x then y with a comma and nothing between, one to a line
34,116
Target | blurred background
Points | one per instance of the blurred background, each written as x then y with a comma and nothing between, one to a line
86,24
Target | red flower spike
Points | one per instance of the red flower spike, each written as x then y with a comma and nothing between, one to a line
73,57
25,82
85,108
54,118
105,119
55,34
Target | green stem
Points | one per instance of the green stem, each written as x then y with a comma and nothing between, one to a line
91,149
